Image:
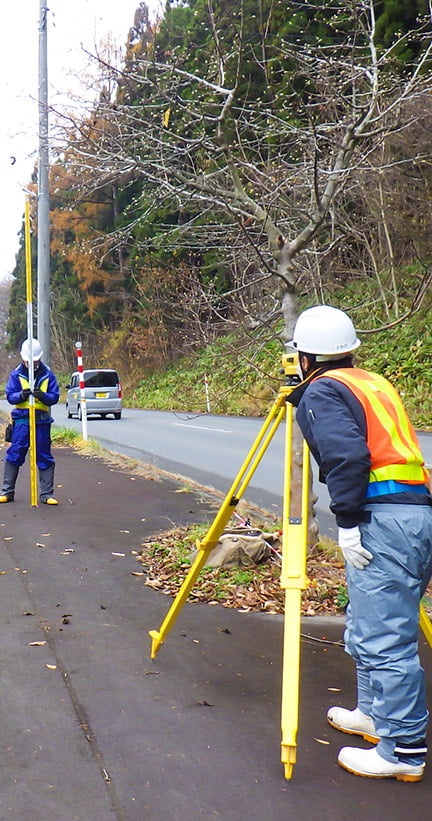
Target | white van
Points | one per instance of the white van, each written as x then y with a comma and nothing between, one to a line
103,393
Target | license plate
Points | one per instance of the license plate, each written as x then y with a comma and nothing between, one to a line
101,395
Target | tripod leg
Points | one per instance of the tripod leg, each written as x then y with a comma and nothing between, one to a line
290,680
293,581
425,625
235,493
204,547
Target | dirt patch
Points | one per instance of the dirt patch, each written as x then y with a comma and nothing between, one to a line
165,564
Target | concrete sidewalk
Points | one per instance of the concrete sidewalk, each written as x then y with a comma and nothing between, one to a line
93,730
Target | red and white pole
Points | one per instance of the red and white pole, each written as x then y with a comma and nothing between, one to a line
207,393
83,406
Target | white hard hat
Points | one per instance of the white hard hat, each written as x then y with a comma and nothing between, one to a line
325,331
36,350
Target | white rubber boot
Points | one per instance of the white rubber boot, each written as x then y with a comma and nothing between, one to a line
370,764
353,722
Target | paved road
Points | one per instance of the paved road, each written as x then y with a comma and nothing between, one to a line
206,448
209,449
92,730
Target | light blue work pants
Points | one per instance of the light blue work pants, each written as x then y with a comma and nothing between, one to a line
382,623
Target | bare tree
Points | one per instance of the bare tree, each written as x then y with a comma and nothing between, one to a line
265,182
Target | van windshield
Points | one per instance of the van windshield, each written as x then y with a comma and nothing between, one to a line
100,379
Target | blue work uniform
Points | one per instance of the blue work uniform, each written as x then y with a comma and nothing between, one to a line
44,380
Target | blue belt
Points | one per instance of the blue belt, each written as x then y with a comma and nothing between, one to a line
390,486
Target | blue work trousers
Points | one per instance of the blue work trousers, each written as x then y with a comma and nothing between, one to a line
17,451
382,623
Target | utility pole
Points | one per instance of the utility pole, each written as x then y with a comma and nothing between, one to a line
43,245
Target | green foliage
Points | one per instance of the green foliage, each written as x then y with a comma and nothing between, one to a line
240,379
342,599
402,353
64,436
227,577
243,374
16,326
144,298
395,18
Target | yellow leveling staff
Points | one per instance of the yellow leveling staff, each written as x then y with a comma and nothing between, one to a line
32,410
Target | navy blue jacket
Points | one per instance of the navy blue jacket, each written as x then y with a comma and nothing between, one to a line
14,390
333,423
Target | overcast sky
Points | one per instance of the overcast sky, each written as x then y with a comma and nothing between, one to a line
73,27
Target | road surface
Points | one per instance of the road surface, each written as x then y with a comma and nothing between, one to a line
206,448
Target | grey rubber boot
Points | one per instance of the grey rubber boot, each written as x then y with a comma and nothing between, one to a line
46,485
9,480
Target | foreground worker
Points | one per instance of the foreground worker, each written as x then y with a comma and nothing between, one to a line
46,393
368,454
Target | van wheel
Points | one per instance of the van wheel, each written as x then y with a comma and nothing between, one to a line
117,415
69,415
79,413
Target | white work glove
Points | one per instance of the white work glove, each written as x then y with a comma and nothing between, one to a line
353,551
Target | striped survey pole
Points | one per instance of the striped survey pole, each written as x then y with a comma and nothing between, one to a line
206,388
83,406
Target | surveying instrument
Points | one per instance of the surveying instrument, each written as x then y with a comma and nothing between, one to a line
293,579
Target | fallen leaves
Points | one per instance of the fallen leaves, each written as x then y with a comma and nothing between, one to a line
165,571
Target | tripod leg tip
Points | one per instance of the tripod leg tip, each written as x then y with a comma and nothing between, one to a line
288,758
156,642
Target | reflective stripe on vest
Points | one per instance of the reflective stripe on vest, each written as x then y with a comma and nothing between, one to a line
391,439
25,384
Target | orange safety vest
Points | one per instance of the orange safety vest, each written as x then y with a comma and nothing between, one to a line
38,405
391,439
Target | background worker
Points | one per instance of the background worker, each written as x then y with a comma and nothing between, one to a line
46,393
368,455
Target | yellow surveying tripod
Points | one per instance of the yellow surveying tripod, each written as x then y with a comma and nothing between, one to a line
294,549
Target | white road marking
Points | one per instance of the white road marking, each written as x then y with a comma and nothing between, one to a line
201,427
